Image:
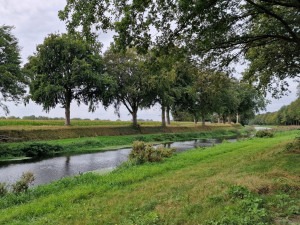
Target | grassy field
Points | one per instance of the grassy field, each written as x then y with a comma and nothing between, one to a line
22,130
248,182
36,124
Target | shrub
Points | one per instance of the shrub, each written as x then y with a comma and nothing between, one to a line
142,153
37,150
3,189
10,152
22,185
264,133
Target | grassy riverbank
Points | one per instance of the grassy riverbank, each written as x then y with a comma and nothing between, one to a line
19,132
102,143
248,182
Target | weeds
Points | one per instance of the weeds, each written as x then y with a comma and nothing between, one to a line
294,146
37,150
20,186
247,209
142,152
264,133
3,189
23,184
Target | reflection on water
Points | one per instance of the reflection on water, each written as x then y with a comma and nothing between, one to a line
48,170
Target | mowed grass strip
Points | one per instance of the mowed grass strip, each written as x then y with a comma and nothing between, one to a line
6,124
189,188
19,130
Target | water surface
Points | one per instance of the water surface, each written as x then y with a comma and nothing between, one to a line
47,170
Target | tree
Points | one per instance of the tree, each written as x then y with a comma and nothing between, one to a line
66,68
200,91
264,32
12,81
226,97
131,79
164,65
251,101
185,97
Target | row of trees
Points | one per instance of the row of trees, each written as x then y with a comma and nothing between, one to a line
68,67
167,52
287,115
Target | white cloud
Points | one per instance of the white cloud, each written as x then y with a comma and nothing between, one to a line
33,21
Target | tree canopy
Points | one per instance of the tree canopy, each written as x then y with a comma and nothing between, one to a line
12,86
130,76
265,33
66,68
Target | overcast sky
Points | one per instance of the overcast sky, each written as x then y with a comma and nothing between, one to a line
33,21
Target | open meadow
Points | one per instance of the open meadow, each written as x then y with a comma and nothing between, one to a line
254,181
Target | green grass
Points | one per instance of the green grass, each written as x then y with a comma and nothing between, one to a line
35,130
101,143
249,182
75,123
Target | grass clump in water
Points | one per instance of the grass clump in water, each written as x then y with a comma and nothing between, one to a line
21,186
264,133
142,153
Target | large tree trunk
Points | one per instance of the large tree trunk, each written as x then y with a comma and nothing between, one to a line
203,119
237,118
163,116
229,119
168,115
67,114
134,118
195,120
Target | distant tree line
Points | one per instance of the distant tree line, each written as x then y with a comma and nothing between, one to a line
287,115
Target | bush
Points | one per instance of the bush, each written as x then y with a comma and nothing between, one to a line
264,133
142,153
10,152
3,189
37,150
22,185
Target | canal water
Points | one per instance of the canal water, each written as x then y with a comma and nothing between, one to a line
47,170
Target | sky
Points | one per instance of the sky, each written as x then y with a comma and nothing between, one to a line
33,21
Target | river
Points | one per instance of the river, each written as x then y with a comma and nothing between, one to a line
47,170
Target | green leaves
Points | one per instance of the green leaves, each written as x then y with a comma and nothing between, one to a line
264,33
130,80
65,68
12,86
